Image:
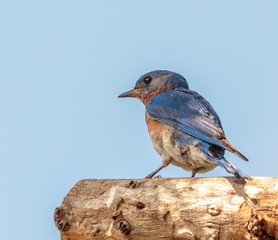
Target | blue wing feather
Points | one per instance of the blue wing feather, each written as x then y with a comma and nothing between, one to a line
189,112
184,111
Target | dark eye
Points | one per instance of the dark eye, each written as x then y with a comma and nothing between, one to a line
147,80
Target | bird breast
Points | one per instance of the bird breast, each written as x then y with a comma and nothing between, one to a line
185,151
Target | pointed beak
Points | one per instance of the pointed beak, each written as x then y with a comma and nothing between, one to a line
132,93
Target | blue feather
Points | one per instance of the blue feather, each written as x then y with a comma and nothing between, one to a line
189,112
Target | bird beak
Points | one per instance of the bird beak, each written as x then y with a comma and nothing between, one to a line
132,93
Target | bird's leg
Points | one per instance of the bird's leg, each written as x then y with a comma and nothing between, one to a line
194,171
164,164
155,172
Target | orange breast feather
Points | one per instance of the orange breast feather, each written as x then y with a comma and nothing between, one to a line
156,128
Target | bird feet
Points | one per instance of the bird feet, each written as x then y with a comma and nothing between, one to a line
194,171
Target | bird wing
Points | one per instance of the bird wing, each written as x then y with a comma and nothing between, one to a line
189,112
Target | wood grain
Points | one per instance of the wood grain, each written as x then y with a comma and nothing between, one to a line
184,208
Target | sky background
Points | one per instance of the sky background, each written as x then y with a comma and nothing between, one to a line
63,64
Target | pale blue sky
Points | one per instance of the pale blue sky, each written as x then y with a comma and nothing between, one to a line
63,64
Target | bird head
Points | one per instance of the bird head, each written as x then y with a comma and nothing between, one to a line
155,82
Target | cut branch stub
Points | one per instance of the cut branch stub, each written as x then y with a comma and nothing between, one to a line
124,227
60,221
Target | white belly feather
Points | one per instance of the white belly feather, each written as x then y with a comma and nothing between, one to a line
188,156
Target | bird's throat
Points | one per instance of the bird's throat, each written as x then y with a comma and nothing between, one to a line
145,99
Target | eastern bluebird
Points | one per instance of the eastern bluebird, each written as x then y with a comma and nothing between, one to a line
184,128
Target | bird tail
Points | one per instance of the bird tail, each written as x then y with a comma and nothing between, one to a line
232,149
229,167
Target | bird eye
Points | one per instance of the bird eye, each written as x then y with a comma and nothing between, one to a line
147,80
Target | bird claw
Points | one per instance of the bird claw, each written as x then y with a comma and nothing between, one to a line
158,176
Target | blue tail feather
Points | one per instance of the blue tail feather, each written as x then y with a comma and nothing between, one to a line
229,167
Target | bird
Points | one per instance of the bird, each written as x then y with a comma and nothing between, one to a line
184,128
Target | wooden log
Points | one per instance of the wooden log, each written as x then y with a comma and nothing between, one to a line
160,208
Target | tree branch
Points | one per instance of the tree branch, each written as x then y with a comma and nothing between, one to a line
185,208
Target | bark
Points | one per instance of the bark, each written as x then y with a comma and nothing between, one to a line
184,208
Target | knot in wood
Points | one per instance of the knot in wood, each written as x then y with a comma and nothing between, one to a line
60,221
124,227
133,184
117,214
214,209
140,205
257,226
